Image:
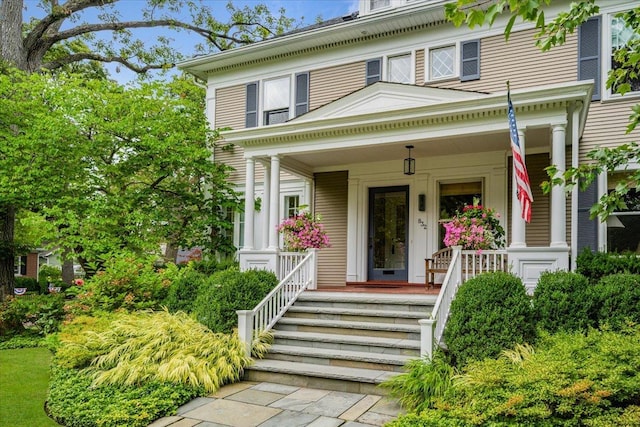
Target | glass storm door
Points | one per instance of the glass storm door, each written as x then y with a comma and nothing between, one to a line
388,232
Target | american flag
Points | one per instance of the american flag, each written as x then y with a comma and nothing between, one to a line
522,177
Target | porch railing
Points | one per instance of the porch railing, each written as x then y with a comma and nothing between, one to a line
265,315
288,261
464,266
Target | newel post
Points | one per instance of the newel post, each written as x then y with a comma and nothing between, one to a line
245,329
458,269
426,337
313,268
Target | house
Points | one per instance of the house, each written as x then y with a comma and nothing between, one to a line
326,116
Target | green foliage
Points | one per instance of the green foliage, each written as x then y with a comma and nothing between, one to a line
129,282
596,265
491,312
27,282
49,274
570,379
22,341
36,314
563,301
74,402
229,291
155,347
424,382
618,300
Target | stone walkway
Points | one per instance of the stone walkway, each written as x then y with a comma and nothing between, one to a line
250,404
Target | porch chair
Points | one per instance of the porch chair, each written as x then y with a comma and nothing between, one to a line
436,266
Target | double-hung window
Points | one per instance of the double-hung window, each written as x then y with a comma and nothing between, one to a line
379,4
276,100
623,225
291,205
621,34
270,101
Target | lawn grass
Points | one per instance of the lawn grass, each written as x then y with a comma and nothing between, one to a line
24,378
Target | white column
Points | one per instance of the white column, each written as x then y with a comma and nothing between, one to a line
249,203
518,225
274,206
308,197
266,205
558,201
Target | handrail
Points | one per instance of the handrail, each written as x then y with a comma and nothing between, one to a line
265,315
287,261
450,284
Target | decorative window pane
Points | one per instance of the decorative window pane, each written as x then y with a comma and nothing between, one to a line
400,69
291,205
623,226
442,62
620,36
377,4
276,94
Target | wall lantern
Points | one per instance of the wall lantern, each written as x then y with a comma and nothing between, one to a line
409,163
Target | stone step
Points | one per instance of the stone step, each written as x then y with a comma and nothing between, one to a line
368,301
355,314
384,330
344,358
348,342
338,378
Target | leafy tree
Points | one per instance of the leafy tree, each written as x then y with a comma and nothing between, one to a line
40,150
554,33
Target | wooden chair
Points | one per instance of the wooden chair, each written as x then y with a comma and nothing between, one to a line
437,264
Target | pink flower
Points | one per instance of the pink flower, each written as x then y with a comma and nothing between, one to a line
78,282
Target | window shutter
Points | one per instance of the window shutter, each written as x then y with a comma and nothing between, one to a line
589,53
23,265
587,228
251,116
470,60
374,71
302,94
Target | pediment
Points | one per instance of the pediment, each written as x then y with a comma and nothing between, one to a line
381,96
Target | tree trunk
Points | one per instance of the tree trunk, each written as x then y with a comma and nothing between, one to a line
11,44
67,271
171,252
7,251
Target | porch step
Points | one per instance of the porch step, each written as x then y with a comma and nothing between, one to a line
344,341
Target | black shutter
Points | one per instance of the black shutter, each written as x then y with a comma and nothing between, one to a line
374,71
251,117
23,265
589,61
470,60
587,228
302,94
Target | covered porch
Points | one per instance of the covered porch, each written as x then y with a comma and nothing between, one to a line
349,154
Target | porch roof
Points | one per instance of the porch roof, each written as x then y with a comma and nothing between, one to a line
374,124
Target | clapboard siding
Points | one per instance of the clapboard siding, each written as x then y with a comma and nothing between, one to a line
329,84
420,67
538,230
606,125
230,107
520,62
331,196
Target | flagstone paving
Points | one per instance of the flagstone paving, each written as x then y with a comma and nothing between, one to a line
250,404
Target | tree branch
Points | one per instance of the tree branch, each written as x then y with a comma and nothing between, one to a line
51,65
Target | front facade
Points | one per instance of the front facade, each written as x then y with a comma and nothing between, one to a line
324,117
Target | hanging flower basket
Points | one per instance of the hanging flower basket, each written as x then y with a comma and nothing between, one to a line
303,231
475,228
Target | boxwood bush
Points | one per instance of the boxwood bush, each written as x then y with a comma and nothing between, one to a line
595,265
618,300
184,290
563,301
229,291
491,312
30,283
36,314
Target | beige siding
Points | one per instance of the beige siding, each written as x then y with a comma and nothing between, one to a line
520,62
606,126
331,196
420,67
230,107
538,230
329,84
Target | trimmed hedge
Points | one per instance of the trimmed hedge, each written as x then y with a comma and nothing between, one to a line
563,301
596,265
491,312
229,291
618,300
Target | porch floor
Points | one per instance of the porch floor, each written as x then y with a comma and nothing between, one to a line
383,287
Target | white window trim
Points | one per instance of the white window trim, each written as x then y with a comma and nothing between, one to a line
605,59
385,66
603,188
427,64
261,83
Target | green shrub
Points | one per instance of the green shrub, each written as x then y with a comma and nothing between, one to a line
491,312
563,301
210,266
618,300
74,402
423,383
129,282
184,289
38,314
27,282
570,379
144,347
50,275
229,291
595,265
